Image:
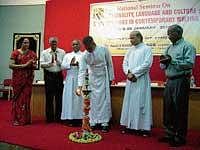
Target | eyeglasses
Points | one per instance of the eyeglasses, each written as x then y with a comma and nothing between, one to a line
25,42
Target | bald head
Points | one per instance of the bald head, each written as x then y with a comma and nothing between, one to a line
76,45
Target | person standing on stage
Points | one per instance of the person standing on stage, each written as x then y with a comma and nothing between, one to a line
137,104
177,61
99,63
23,63
51,60
72,104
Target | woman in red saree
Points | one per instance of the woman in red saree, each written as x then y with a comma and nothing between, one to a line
23,63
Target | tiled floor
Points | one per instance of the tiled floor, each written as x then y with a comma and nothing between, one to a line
7,146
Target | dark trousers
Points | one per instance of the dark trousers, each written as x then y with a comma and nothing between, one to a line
176,99
53,91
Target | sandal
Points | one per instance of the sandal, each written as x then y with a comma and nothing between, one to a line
16,123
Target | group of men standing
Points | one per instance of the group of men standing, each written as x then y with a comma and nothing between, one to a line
177,61
97,60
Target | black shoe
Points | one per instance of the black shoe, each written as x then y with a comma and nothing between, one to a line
49,121
70,124
105,129
165,139
77,123
144,133
123,130
129,131
177,142
58,120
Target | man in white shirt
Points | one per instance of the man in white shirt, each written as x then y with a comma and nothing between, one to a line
51,60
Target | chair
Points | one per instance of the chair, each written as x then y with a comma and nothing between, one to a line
6,87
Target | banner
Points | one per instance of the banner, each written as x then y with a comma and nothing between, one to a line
112,22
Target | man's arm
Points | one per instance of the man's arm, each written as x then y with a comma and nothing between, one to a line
189,54
43,63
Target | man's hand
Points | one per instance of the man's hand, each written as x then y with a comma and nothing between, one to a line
50,65
73,62
131,77
165,59
112,82
78,91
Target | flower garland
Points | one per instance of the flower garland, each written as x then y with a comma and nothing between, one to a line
81,137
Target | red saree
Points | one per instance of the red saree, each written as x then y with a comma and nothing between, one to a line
22,86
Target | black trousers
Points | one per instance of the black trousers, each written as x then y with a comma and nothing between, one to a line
176,99
53,91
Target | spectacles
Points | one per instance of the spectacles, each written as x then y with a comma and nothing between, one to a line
25,42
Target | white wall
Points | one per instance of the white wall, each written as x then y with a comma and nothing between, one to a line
18,19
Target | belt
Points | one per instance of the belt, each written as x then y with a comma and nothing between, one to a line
53,73
179,76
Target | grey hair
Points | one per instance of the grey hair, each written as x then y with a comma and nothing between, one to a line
51,39
138,34
77,41
176,28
